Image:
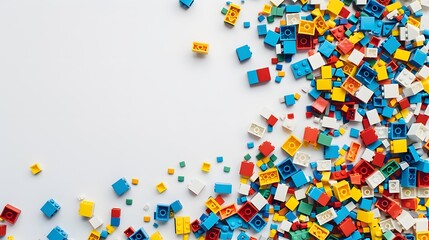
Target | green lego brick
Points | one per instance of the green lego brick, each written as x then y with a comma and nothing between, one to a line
129,201
247,157
259,156
226,169
180,178
305,208
273,157
182,164
270,19
389,169
224,11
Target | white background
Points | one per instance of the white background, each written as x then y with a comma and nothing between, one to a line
98,90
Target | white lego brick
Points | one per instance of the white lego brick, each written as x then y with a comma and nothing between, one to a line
407,193
412,32
289,124
421,224
382,132
356,57
326,216
285,226
376,212
196,186
95,222
81,197
259,201
302,159
324,165
316,61
392,14
373,116
350,206
397,226
402,34
256,130
330,122
254,176
371,52
279,49
281,192
277,2
387,224
264,236
394,186
423,192
418,145
361,2
405,77
293,18
364,94
417,132
266,112
300,193
324,5
244,189
417,109
314,2
375,179
368,155
424,3
406,220
415,88
146,207
386,143
367,192
423,73
403,165
415,6
391,91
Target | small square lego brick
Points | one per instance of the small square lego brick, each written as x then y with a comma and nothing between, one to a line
35,169
160,187
246,24
146,219
180,178
219,159
196,186
121,186
182,164
206,167
134,181
128,201
250,145
95,222
170,171
226,169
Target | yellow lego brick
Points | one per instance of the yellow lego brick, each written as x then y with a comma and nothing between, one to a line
326,176
170,171
418,44
342,190
134,181
338,94
398,146
356,194
267,9
275,217
269,176
380,189
35,168
178,223
321,25
271,210
232,14
303,218
330,38
375,230
349,69
292,203
110,229
365,216
342,152
161,187
94,235
146,219
331,24
323,84
306,27
339,64
205,167
395,33
365,229
156,236
281,218
213,205
342,130
259,163
281,73
402,55
339,161
283,22
316,12
356,37
297,96
200,47
318,185
335,6
304,2
186,225
413,22
422,235
393,6
86,208
273,233
318,232
10,238
244,180
326,71
265,160
381,72
291,145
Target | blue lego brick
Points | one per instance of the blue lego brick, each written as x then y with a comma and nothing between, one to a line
373,8
365,74
288,32
289,47
115,222
286,168
50,208
299,178
387,112
326,48
376,31
293,8
186,3
252,77
243,53
246,24
315,193
409,177
139,235
57,234
291,216
104,234
367,23
354,133
262,30
250,145
121,186
257,223
234,221
210,221
390,45
243,236
272,38
331,152
176,206
397,130
341,215
289,100
301,68
261,18
162,212
223,188
418,58
365,204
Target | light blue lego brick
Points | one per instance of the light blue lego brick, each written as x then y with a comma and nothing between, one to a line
252,77
176,206
272,38
50,208
57,234
223,188
121,186
186,3
243,53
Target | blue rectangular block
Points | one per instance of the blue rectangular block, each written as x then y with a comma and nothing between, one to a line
223,188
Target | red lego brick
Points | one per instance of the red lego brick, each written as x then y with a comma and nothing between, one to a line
10,214
421,118
340,175
311,135
274,60
219,199
213,234
375,41
304,42
263,74
2,230
368,136
290,116
364,169
422,179
383,203
392,65
378,159
344,13
394,210
324,199
350,115
272,120
129,231
345,46
320,105
409,203
332,60
246,169
355,179
338,33
266,148
116,213
195,225
347,227
247,211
